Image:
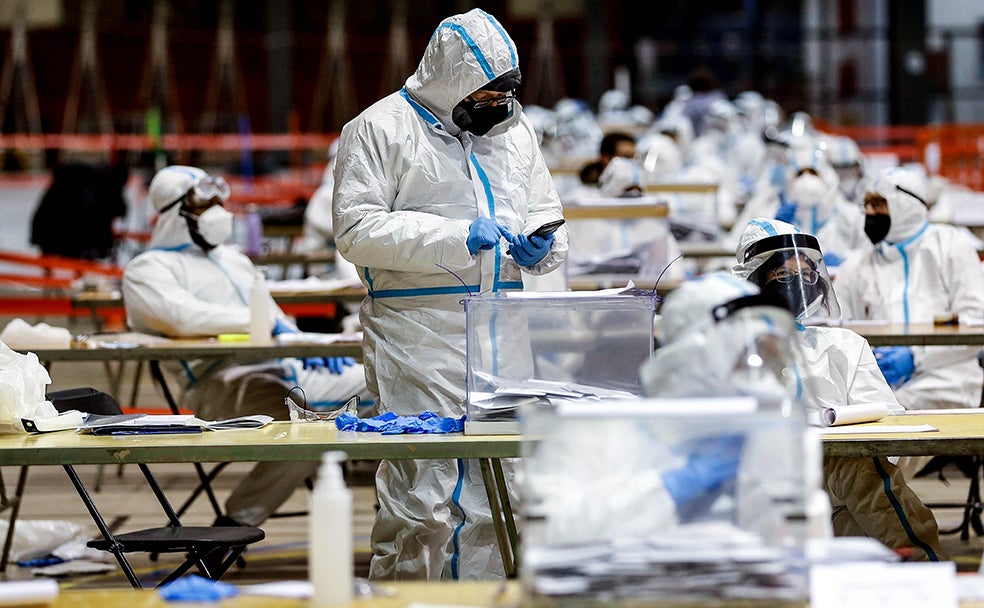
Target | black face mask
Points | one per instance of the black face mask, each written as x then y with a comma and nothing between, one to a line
479,120
877,226
796,295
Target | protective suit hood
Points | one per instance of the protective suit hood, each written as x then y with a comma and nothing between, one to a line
905,192
168,185
465,53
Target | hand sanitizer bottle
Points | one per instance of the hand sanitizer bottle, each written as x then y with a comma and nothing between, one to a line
330,535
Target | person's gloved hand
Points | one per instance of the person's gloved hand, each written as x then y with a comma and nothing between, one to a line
711,464
786,212
335,365
896,363
280,327
832,260
483,234
528,250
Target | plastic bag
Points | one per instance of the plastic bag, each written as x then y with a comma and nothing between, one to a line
35,538
22,387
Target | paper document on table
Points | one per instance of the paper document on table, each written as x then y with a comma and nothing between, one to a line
153,424
309,337
312,284
837,415
880,430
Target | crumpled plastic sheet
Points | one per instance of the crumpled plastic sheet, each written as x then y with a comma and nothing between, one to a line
391,424
194,588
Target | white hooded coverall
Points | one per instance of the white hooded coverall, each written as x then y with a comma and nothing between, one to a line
177,290
869,496
408,185
918,271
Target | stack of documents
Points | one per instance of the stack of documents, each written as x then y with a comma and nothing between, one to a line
686,563
140,424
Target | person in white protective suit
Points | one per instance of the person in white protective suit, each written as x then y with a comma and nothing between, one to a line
869,496
847,160
438,188
719,337
811,201
191,283
915,272
642,246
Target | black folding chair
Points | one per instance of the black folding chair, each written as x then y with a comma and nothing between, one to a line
204,546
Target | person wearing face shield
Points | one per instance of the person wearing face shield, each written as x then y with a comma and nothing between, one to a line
916,272
192,283
437,189
720,337
870,496
811,201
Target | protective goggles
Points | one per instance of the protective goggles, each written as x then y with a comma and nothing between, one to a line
206,190
494,101
203,193
301,411
807,276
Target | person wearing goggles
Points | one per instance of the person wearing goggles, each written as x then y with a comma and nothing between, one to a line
870,496
190,283
440,188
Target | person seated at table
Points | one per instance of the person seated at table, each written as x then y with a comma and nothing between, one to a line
916,272
191,283
870,496
613,145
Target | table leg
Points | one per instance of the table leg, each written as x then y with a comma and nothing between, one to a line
498,519
14,504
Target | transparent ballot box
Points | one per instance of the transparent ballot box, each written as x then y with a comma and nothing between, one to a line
677,501
547,348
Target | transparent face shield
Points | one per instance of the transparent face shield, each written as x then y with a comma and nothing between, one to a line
758,330
790,267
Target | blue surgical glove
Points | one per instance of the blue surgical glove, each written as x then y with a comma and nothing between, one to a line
335,365
712,463
896,363
280,327
786,212
528,250
483,234
832,260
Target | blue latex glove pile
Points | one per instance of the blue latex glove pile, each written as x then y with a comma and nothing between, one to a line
391,424
896,363
335,365
194,588
711,463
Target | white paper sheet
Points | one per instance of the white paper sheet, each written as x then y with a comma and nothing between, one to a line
903,585
864,430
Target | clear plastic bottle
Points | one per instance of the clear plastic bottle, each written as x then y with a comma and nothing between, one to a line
254,231
259,310
330,535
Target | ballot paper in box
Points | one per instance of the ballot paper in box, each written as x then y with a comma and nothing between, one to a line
547,348
690,500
